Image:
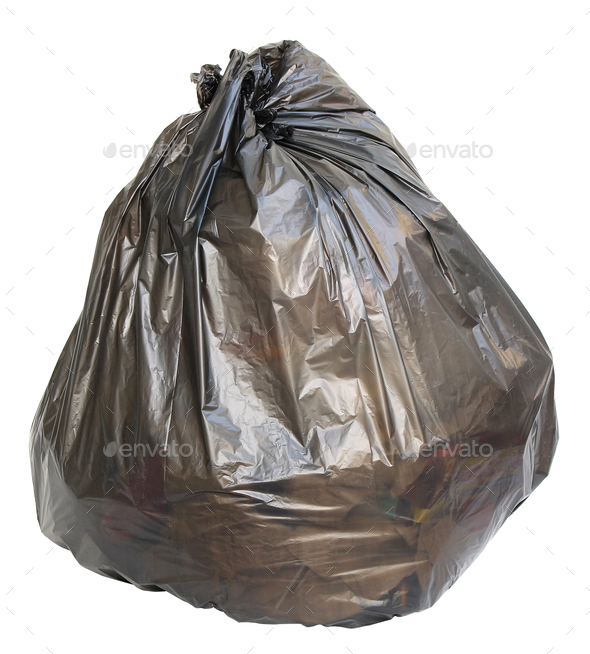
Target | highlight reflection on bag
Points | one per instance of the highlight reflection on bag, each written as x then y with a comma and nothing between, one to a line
297,391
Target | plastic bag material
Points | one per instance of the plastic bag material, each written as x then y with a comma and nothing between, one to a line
297,391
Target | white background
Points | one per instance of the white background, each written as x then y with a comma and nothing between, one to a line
514,76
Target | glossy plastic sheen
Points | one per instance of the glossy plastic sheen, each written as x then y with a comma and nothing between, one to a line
297,390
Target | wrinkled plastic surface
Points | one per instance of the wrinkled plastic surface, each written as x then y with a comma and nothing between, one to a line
281,320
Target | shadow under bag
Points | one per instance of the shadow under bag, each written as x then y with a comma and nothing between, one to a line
297,390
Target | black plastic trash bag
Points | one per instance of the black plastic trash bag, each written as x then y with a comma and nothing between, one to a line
297,391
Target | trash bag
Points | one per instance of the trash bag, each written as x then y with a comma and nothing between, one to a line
297,392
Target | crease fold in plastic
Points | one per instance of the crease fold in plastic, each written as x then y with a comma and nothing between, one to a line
297,390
